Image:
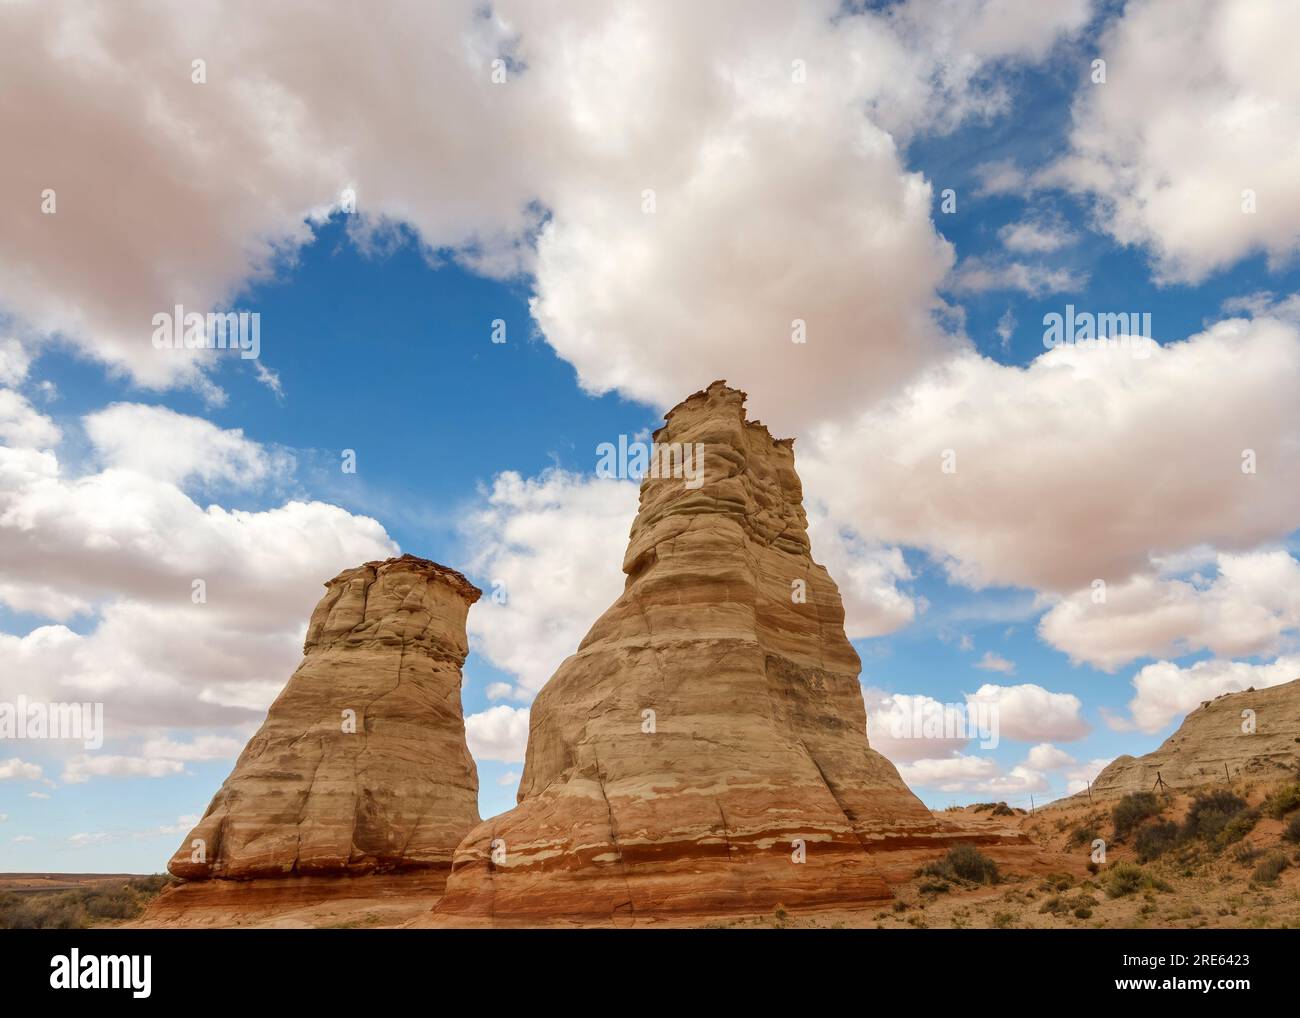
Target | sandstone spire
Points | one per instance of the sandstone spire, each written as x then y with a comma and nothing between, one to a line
361,764
705,750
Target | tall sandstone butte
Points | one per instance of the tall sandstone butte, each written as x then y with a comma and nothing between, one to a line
307,796
757,743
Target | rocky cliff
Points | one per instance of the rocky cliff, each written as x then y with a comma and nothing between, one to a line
705,749
1216,741
361,765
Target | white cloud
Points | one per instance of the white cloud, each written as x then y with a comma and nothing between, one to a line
1216,78
552,547
23,426
23,839
15,769
1167,692
172,447
37,795
1248,608
498,733
1036,235
949,774
508,778
868,575
1078,778
1030,713
82,768
1036,500
893,729
94,840
201,747
1046,757
992,662
980,274
499,690
702,104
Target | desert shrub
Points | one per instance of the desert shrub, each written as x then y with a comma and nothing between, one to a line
1292,830
963,862
1154,840
1084,834
1283,801
1061,904
1270,869
77,909
934,887
1210,813
1132,810
1003,920
1237,828
970,863
1126,878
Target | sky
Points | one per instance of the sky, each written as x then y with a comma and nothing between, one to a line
637,199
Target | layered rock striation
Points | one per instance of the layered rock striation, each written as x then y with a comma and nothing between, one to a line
1252,734
361,765
705,749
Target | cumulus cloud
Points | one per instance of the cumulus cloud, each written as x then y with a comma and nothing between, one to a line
893,729
23,426
1046,757
1213,77
83,767
769,133
1246,609
172,447
992,662
1166,692
498,733
125,549
1029,713
1036,235
965,774
1036,500
15,769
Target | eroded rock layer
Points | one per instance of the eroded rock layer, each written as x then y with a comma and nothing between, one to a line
361,765
705,750
1254,733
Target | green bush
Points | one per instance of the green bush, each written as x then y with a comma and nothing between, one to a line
1237,828
1210,813
1154,840
1292,830
1283,801
1126,877
963,862
1132,810
1084,834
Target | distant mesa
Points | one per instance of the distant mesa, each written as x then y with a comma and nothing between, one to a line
1251,734
361,765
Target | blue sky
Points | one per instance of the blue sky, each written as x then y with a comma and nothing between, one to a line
378,338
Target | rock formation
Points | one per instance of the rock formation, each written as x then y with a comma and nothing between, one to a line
1216,742
361,765
705,750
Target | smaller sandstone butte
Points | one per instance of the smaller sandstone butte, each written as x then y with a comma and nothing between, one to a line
1213,743
705,749
399,790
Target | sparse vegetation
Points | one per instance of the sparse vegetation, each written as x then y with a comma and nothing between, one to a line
1211,812
1285,800
80,908
1270,869
1132,810
963,862
1292,830
1154,840
1126,878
